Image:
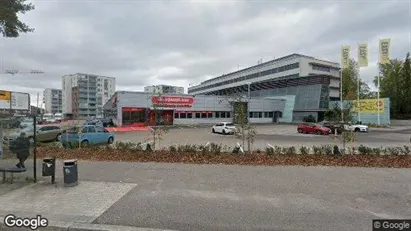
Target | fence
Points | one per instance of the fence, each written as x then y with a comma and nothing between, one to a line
13,153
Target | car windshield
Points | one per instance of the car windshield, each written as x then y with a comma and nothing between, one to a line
229,124
27,129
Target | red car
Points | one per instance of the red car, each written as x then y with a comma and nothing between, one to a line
308,128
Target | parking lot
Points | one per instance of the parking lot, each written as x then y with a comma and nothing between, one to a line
281,135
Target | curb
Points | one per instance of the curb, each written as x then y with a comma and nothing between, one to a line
73,226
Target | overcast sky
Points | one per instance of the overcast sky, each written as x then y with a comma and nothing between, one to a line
185,42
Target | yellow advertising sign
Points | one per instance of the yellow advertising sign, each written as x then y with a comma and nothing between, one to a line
362,55
384,51
368,105
5,95
345,56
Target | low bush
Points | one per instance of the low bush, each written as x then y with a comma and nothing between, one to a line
269,151
304,150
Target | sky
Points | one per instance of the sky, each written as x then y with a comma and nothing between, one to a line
185,42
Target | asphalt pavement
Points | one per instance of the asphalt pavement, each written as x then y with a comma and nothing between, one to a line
216,197
281,135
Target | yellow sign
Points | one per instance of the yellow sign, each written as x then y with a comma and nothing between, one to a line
362,55
384,51
345,56
368,105
5,95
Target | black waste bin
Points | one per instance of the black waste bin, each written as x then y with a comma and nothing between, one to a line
70,173
49,166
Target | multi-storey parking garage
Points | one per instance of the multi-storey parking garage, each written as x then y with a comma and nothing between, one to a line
306,83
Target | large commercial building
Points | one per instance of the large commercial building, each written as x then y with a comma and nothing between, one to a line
164,89
52,99
306,83
93,92
131,108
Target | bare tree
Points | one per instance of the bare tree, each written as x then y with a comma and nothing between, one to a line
157,130
245,131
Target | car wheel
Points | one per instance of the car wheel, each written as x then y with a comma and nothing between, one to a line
213,131
110,140
84,143
356,129
224,133
300,131
58,137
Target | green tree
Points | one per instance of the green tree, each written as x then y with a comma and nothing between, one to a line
392,85
406,78
10,24
350,81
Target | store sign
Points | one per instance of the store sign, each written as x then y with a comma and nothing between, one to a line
130,109
172,101
5,97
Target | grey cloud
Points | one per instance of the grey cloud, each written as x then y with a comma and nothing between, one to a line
149,42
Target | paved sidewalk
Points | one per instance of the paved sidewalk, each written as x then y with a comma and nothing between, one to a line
118,196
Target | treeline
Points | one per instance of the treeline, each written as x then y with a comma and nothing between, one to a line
395,83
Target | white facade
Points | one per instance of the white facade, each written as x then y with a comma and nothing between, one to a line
52,99
294,65
101,87
164,89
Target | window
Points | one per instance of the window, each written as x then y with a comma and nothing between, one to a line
198,115
183,115
217,114
222,114
84,130
227,115
250,115
100,129
270,114
91,129
189,115
176,115
266,114
203,115
210,115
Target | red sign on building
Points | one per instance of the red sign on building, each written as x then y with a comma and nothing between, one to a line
129,109
172,101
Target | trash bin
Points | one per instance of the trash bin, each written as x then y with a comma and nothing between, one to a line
70,173
49,166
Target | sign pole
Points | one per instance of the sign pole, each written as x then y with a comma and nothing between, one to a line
341,96
378,97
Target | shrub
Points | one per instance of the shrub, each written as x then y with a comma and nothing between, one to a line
258,151
269,151
215,148
304,150
172,148
405,150
377,151
393,151
278,150
327,150
309,119
289,150
336,150
364,150
317,150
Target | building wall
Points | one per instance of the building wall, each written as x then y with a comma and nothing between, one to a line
201,103
52,99
164,89
98,88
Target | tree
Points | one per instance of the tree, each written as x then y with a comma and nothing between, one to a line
245,131
10,24
350,81
395,82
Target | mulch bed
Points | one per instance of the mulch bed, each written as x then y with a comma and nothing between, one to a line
127,155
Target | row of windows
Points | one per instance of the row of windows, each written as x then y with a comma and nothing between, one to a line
264,114
320,68
202,115
251,76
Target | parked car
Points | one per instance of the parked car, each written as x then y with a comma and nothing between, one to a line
86,135
339,127
43,134
224,128
356,127
309,128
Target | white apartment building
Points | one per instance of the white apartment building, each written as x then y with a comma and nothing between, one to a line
92,92
164,89
52,99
